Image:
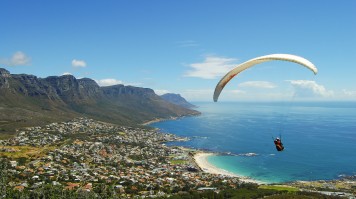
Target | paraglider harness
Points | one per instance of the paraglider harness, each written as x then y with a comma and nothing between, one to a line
278,143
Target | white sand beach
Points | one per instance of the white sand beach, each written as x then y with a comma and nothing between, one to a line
158,120
152,121
201,159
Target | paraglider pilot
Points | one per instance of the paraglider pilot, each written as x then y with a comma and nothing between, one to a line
278,143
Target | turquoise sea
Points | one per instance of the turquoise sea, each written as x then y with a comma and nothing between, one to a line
319,138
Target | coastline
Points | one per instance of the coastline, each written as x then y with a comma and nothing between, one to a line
169,118
201,159
347,182
158,120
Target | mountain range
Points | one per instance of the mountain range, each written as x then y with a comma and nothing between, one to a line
26,100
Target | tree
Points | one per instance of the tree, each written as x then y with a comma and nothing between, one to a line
22,161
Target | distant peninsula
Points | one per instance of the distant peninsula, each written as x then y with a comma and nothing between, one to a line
177,99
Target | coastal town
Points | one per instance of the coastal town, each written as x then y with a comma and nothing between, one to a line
83,153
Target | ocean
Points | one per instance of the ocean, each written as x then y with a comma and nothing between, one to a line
319,138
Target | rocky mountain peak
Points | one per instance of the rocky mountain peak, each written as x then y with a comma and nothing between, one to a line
4,73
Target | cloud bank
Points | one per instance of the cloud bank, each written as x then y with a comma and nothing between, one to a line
307,88
211,68
349,94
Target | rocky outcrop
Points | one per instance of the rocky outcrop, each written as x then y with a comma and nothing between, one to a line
117,90
30,85
4,75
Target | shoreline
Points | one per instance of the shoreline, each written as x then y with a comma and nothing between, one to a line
166,119
158,120
201,159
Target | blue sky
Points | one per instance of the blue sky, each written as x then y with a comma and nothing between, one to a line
186,46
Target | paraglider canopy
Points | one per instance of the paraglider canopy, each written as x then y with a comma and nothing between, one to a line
252,62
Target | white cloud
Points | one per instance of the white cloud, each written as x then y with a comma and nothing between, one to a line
349,93
108,82
211,68
78,63
161,91
67,73
307,88
18,59
258,84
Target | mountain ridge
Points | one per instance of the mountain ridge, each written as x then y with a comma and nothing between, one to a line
177,99
27,100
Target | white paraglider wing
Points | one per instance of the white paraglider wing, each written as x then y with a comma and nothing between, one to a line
283,57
